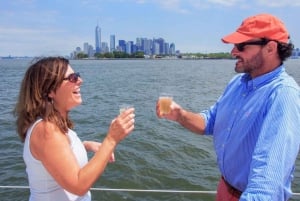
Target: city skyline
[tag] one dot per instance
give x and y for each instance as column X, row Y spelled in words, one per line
column 155, row 46
column 39, row 28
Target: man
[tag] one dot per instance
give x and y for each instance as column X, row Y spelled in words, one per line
column 255, row 123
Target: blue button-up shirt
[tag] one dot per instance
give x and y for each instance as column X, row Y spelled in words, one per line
column 256, row 129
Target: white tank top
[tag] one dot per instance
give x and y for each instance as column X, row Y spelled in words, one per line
column 42, row 185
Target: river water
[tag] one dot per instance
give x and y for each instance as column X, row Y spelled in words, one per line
column 159, row 154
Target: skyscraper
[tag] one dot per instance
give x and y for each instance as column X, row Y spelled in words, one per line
column 112, row 43
column 86, row 48
column 161, row 48
column 98, row 39
column 172, row 49
column 122, row 45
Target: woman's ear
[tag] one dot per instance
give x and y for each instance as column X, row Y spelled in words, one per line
column 51, row 94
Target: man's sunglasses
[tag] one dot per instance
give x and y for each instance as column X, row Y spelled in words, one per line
column 241, row 46
column 73, row 77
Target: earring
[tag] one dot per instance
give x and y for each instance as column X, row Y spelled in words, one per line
column 50, row 100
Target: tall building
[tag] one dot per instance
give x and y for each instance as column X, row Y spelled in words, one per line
column 112, row 43
column 156, row 48
column 167, row 48
column 172, row 49
column 147, row 45
column 98, row 39
column 86, row 48
column 161, row 48
column 139, row 44
column 122, row 45
column 104, row 47
column 129, row 47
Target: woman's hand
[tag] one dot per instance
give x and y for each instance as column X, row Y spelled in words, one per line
column 121, row 126
column 94, row 147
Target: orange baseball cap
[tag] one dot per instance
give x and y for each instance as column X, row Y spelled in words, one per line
column 259, row 26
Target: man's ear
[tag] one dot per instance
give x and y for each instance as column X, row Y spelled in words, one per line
column 272, row 47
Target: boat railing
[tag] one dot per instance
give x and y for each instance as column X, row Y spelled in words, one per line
column 294, row 195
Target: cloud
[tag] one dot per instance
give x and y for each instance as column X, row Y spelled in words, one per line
column 173, row 5
column 140, row 1
column 189, row 6
column 278, row 3
column 225, row 2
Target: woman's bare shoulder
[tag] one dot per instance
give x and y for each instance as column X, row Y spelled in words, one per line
column 45, row 136
column 47, row 130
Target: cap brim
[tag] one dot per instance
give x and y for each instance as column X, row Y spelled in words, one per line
column 236, row 38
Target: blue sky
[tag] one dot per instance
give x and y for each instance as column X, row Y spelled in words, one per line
column 57, row 27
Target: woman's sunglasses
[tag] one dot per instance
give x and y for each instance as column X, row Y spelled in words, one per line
column 241, row 46
column 73, row 77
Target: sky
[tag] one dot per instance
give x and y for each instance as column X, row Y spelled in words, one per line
column 57, row 27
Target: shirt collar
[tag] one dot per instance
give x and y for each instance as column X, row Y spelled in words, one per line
column 261, row 80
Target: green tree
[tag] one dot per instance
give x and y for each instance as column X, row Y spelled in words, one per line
column 109, row 55
column 81, row 55
column 139, row 54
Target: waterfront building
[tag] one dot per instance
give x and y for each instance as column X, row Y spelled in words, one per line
column 160, row 42
column 122, row 45
column 129, row 46
column 156, row 49
column 104, row 47
column 134, row 48
column 112, row 43
column 78, row 50
column 98, row 39
column 295, row 53
column 91, row 51
column 138, row 44
column 172, row 49
column 167, row 49
column 86, row 48
column 147, row 45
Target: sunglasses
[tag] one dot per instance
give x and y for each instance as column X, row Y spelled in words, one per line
column 73, row 77
column 241, row 46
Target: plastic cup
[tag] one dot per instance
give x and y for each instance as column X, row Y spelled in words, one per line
column 124, row 107
column 165, row 101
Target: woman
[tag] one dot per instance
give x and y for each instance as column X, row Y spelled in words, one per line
column 56, row 159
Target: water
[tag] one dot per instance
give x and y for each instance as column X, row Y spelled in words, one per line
column 159, row 154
